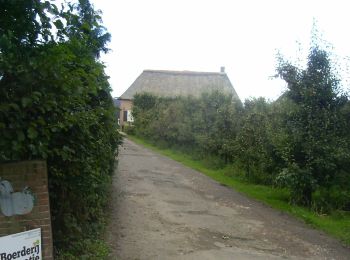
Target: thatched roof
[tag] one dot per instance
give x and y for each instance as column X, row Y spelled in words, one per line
column 180, row 83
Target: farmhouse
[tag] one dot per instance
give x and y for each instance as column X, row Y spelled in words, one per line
column 166, row 83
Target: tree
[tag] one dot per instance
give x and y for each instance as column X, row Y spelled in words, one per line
column 312, row 131
column 56, row 105
column 255, row 149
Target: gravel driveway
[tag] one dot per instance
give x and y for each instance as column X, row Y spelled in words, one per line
column 164, row 210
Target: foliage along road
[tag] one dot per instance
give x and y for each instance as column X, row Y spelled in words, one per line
column 164, row 210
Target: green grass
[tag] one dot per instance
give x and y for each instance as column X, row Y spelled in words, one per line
column 336, row 224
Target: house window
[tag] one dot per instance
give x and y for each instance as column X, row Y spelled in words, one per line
column 130, row 117
column 125, row 116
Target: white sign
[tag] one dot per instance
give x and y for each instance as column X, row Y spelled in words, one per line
column 22, row 246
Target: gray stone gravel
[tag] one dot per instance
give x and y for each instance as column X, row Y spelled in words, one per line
column 164, row 210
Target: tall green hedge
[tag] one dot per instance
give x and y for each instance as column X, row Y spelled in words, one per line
column 56, row 105
column 300, row 142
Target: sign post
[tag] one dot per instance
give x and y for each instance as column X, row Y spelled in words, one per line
column 24, row 245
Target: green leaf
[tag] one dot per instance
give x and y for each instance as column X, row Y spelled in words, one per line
column 26, row 101
column 32, row 133
column 53, row 10
column 14, row 106
column 20, row 136
column 58, row 24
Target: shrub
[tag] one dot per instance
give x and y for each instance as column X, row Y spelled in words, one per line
column 56, row 105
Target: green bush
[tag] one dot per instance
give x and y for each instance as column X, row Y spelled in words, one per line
column 299, row 142
column 129, row 129
column 299, row 181
column 56, row 105
column 326, row 200
column 86, row 249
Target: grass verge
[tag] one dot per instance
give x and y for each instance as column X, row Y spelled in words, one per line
column 336, row 224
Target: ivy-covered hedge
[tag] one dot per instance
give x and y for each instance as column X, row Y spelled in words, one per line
column 56, row 105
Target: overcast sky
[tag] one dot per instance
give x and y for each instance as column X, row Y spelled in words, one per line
column 203, row 35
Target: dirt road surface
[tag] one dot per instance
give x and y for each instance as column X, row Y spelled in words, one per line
column 164, row 210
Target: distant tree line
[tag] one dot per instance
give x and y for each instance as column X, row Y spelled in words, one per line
column 56, row 105
column 300, row 142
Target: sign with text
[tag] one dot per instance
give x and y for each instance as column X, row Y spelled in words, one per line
column 23, row 246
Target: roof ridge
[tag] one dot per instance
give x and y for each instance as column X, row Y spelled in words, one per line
column 186, row 72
